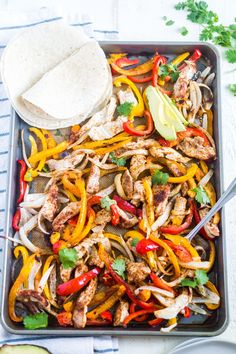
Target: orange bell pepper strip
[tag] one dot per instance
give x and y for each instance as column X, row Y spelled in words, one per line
column 68, row 185
column 137, row 314
column 182, row 241
column 138, row 70
column 76, row 235
column 158, row 282
column 191, row 171
column 42, row 155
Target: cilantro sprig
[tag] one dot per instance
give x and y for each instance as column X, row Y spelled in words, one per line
column 201, row 195
column 68, row 257
column 160, row 177
column 106, row 203
column 119, row 267
column 232, row 88
column 200, row 278
column 118, row 161
column 125, row 109
column 168, row 70
column 39, row 320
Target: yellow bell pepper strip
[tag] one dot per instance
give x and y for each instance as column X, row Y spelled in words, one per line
column 101, row 143
column 170, row 253
column 212, row 196
column 191, row 171
column 85, row 231
column 180, row 58
column 68, row 307
column 210, row 122
column 70, row 195
column 204, row 167
column 212, row 255
column 41, row 137
column 55, row 236
column 139, row 108
column 182, row 241
column 67, row 232
column 134, row 234
column 138, row 70
column 75, row 238
column 212, row 287
column 192, row 185
column 149, row 200
column 114, row 56
column 45, row 268
column 102, row 151
column 68, row 185
column 92, row 315
column 51, row 143
column 34, row 147
column 25, row 254
column 113, row 237
column 49, row 152
column 22, row 277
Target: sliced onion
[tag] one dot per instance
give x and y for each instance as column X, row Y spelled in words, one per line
column 105, row 157
column 169, row 328
column 206, row 178
column 204, row 121
column 44, row 278
column 175, row 190
column 25, row 216
column 134, row 152
column 197, row 309
column 31, row 197
column 13, row 239
column 107, row 191
column 98, row 228
column 118, row 247
column 103, row 166
column 172, row 311
column 129, row 253
column 165, row 301
column 164, row 217
column 24, row 150
column 37, row 265
column 25, row 230
column 35, row 204
column 40, row 224
column 82, row 166
column 62, row 199
column 154, row 289
column 178, row 280
column 151, row 166
column 195, row 265
column 119, row 188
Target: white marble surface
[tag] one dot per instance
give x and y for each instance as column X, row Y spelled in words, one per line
column 142, row 20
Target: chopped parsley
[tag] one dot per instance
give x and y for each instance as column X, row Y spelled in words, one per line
column 106, row 203
column 183, row 30
column 45, row 168
column 125, row 109
column 168, row 70
column 119, row 267
column 118, row 161
column 170, row 23
column 160, row 177
column 38, row 320
column 200, row 278
column 68, row 257
column 201, row 195
column 231, row 55
column 134, row 242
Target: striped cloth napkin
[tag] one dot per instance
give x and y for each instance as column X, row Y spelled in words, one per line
column 12, row 24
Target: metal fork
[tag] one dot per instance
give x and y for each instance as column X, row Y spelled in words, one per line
column 226, row 196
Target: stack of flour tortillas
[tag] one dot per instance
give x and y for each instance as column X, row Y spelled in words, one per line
column 55, row 76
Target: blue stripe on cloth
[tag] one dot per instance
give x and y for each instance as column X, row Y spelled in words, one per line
column 4, row 134
column 5, row 116
column 2, row 210
column 82, row 24
column 3, row 172
column 4, row 99
column 3, row 152
column 106, row 350
column 30, row 24
column 104, row 31
column 2, row 190
column 1, row 230
column 3, row 46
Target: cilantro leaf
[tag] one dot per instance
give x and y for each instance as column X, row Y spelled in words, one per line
column 183, row 30
column 125, row 108
column 106, row 203
column 232, row 88
column 118, row 161
column 232, row 27
column 163, row 71
column 206, row 34
column 45, row 168
column 39, row 320
column 68, row 257
column 170, row 23
column 231, row 55
column 189, row 282
column 201, row 195
column 164, row 18
column 134, row 242
column 201, row 276
column 58, row 132
column 119, row 267
column 168, row 69
column 160, row 177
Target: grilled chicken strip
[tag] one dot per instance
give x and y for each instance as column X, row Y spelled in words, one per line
column 84, row 247
column 127, row 184
column 94, row 258
column 194, row 147
column 121, row 313
column 160, row 198
column 50, row 205
column 138, row 194
column 181, row 85
column 126, row 96
column 103, row 217
column 67, row 213
column 81, row 306
column 137, row 271
column 128, row 220
column 168, row 153
column 67, row 163
column 211, row 229
column 108, row 129
column 179, row 211
column 93, row 179
column 141, row 144
column 136, row 165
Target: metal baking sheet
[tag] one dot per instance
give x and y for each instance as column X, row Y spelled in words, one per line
column 196, row 325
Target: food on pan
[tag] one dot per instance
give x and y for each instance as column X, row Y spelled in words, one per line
column 57, row 85
column 23, row 349
column 104, row 208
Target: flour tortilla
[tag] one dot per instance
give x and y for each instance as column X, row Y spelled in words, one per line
column 73, row 87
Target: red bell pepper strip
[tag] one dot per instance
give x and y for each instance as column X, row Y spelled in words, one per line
column 159, row 283
column 189, row 132
column 115, row 216
column 16, row 220
column 146, row 245
column 141, row 318
column 57, row 246
column 73, row 221
column 158, row 61
column 130, row 129
column 64, row 319
column 23, row 184
column 123, row 61
column 187, row 312
column 181, row 252
column 155, row 322
column 193, row 58
column 137, row 314
column 197, row 220
column 140, row 80
column 107, row 315
column 74, row 285
column 107, row 279
column 174, row 229
column 124, row 205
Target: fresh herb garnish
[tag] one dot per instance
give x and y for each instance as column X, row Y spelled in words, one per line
column 232, row 88
column 106, row 203
column 119, row 267
column 125, row 109
column 170, row 23
column 118, row 161
column 231, row 55
column 68, row 257
column 58, row 132
column 168, row 70
column 160, row 177
column 201, row 195
column 39, row 320
column 183, row 30
column 45, row 168
column 134, row 242
column 200, row 278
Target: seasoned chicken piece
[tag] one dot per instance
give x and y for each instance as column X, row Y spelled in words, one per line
column 127, row 184
column 93, row 178
column 138, row 194
column 137, row 272
column 121, row 313
column 99, row 118
column 168, row 153
column 184, row 189
column 80, row 269
column 126, row 96
column 107, row 130
column 94, row 258
column 141, row 144
column 67, row 163
column 136, row 165
column 181, row 85
column 174, row 169
column 103, row 217
column 128, row 220
column 194, row 147
column 179, row 211
column 85, row 246
column 50, row 205
column 28, row 296
column 211, row 229
column 65, row 273
column 81, row 306
column 67, row 213
column 160, row 198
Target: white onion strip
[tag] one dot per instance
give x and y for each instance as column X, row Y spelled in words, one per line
column 118, row 247
column 24, row 231
column 106, row 191
column 164, row 217
column 44, row 279
column 154, row 289
column 197, row 309
column 195, row 265
column 35, row 203
column 129, row 253
column 40, row 224
column 119, row 188
column 206, row 178
column 37, row 265
column 169, row 328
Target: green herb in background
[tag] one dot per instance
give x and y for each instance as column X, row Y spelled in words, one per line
column 183, row 31
column 200, row 278
column 232, row 88
column 134, row 242
column 58, row 132
column 170, row 23
column 168, row 70
column 231, row 55
column 68, row 257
